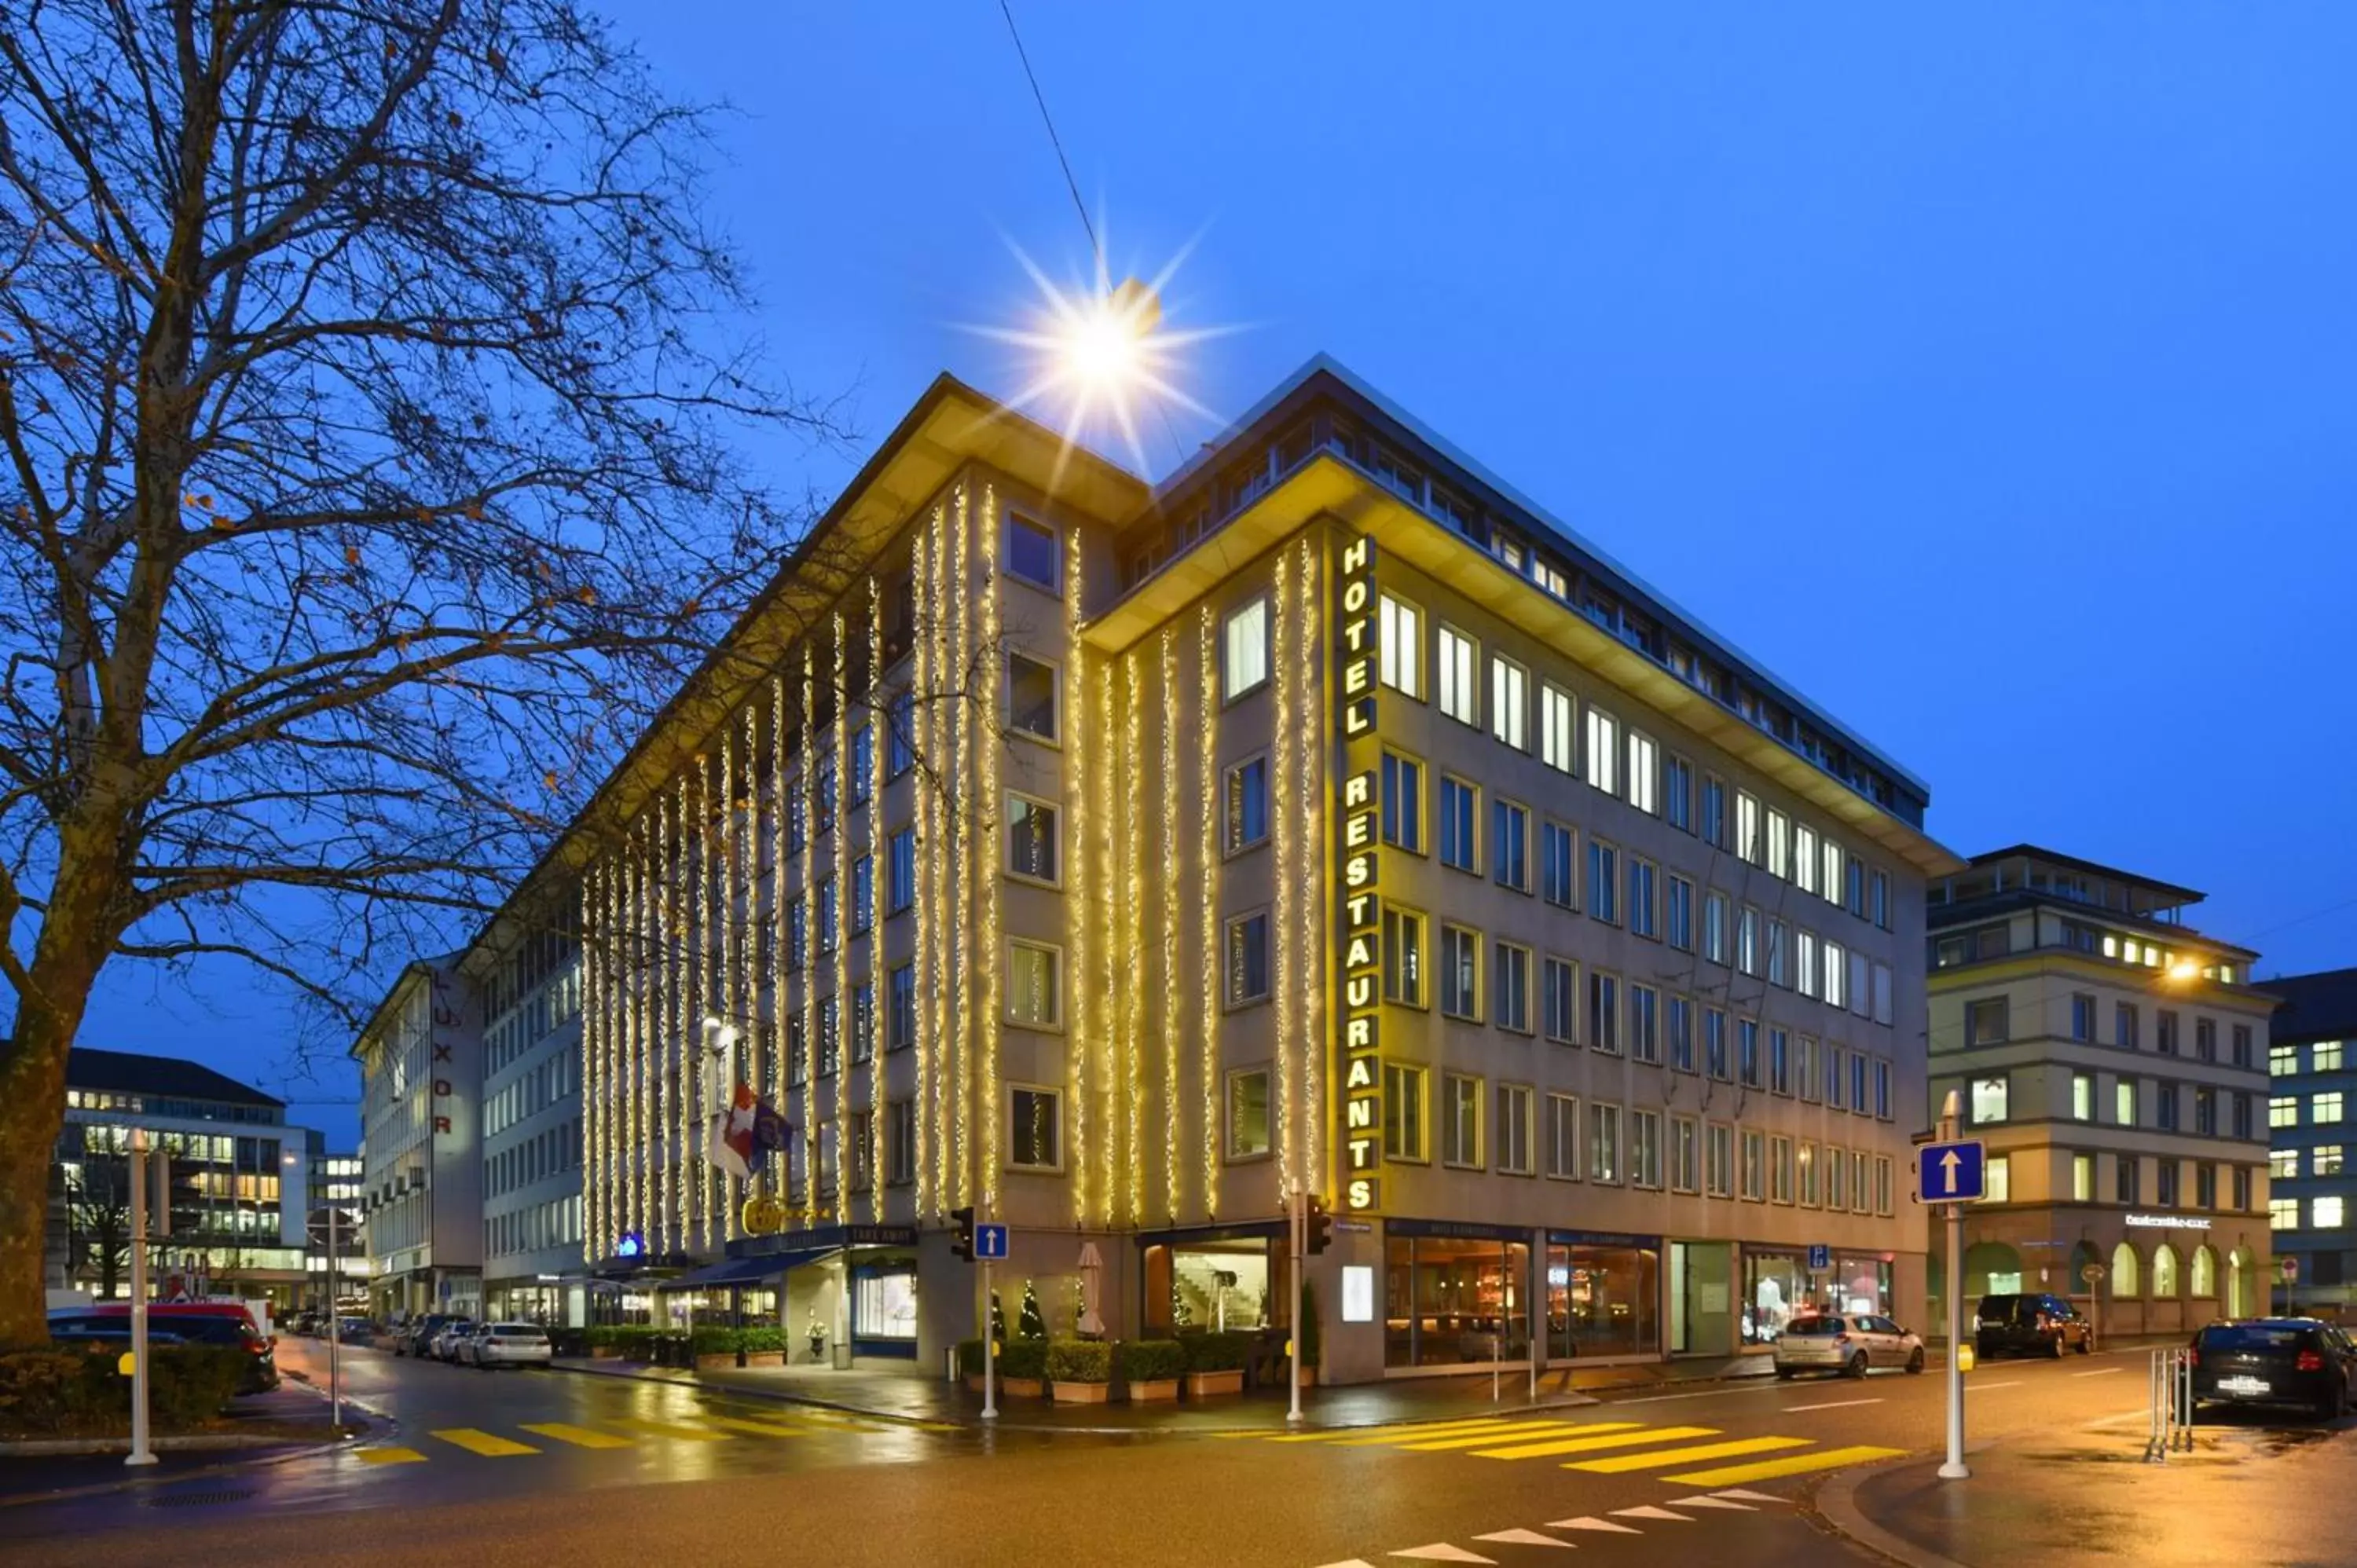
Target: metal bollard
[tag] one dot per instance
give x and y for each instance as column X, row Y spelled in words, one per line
column 2169, row 1393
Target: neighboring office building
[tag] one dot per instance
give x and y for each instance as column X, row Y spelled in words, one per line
column 337, row 1183
column 2105, row 1053
column 237, row 1220
column 2312, row 1069
column 531, row 984
column 1643, row 993
column 421, row 1139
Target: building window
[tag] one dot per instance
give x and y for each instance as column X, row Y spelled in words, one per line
column 1987, row 1021
column 2283, row 1060
column 2241, row 1190
column 1459, row 808
column 1403, row 802
column 1988, row 1100
column 1685, row 1156
column 2123, row 1103
column 1804, row 1068
column 2328, row 1212
column 1604, row 1013
column 1837, row 976
column 1511, row 987
column 1244, row 664
column 1034, row 1128
column 1747, row 940
column 2083, row 1016
column 1805, row 856
column 1996, row 1179
column 1807, row 1161
column 1460, row 1120
column 1877, row 899
column 2083, row 1096
column 2205, row 1111
column 2282, row 1163
column 1034, row 986
column 2241, row 1052
column 1603, row 750
column 1713, row 810
column 1460, row 973
column 1031, row 850
column 2283, row 1213
column 1510, row 856
column 2325, row 1159
column 1509, row 703
column 1459, row 696
column 1248, row 1113
column 900, row 1003
column 1678, row 908
column 2164, row 1032
column 1604, row 1143
column 1780, row 844
column 1402, row 1111
column 1779, row 967
column 1682, row 1035
column 1836, row 1075
column 901, row 1142
column 1806, row 963
column 1644, row 910
column 1644, row 774
column 2325, row 1056
column 863, row 765
column 2164, row 1190
column 1562, row 1002
column 2283, row 1110
column 1603, row 880
column 2205, row 1188
column 901, row 871
column 1247, row 950
column 1557, row 737
column 1246, row 802
column 900, row 747
column 1031, row 697
column 1714, row 926
column 1402, row 629
column 1644, row 1024
column 1677, row 792
column 1403, row 956
column 862, row 1021
column 1558, row 869
column 2205, row 1039
column 1714, row 1044
column 2083, row 1178
column 1563, row 1137
column 1747, row 1052
column 2124, row 1025
column 1779, row 1169
column 2324, row 1109
column 1032, row 553
column 1513, row 1133
column 1748, row 845
column 1645, row 1148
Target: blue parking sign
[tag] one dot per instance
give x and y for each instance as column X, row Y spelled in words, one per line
column 1950, row 1173
column 1820, row 1258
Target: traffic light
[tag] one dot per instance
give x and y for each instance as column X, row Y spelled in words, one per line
column 1320, row 1226
column 963, row 1242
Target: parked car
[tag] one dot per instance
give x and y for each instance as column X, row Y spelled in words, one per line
column 462, row 1346
column 305, row 1323
column 2292, row 1362
column 1848, row 1344
column 417, row 1336
column 196, row 1323
column 2032, row 1324
column 509, row 1344
column 357, row 1331
column 445, row 1344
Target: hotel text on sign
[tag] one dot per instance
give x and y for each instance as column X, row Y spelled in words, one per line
column 1360, row 947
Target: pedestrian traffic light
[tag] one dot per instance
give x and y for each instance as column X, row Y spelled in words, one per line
column 963, row 1242
column 1320, row 1226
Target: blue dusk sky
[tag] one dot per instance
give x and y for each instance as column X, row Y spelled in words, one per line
column 1988, row 374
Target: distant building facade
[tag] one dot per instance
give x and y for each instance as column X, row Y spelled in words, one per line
column 421, row 1139
column 2312, row 1082
column 2107, row 1055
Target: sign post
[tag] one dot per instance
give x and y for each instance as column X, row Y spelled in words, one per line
column 1949, row 1172
column 989, row 1245
column 1297, row 1229
column 140, row 1453
column 2094, row 1275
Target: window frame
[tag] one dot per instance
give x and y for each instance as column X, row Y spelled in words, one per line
column 1230, row 693
column 1056, row 954
column 1014, row 516
column 1055, row 1093
column 1055, row 812
column 1230, row 1154
column 1055, row 697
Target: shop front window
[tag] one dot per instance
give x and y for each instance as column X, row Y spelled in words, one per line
column 1775, row 1288
column 1221, row 1286
column 1862, row 1284
column 1602, row 1300
column 1450, row 1301
column 884, row 1302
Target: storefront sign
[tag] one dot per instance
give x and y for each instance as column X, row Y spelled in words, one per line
column 1360, row 947
column 1463, row 1230
column 1603, row 1239
column 2169, row 1221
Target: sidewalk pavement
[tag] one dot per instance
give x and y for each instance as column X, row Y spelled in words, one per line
column 2246, row 1494
column 897, row 1391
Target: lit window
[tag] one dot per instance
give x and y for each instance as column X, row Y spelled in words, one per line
column 1459, row 695
column 1031, row 838
column 1248, row 1114
column 2282, row 1163
column 1245, row 664
column 2083, row 1178
column 2328, row 1212
column 1555, row 732
column 1805, row 963
column 1805, row 856
column 1403, row 956
column 1033, row 986
column 2283, row 1060
column 2083, row 1096
column 1402, row 1111
column 1780, row 843
column 1988, row 1100
column 1644, row 774
column 1036, row 1124
column 1247, row 949
column 1837, row 976
column 1996, row 1179
column 2324, row 1109
column 2325, row 1056
column 1509, row 703
column 2283, row 1213
column 1603, row 750
column 1030, row 697
column 1748, row 845
column 1402, row 646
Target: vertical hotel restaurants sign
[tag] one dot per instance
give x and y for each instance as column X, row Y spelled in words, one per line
column 1359, row 950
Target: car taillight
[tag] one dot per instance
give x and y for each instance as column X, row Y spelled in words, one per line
column 2310, row 1361
column 1841, row 1338
column 2044, row 1321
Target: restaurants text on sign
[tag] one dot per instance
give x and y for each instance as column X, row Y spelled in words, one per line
column 1360, row 948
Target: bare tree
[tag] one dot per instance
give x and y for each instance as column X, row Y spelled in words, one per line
column 368, row 403
column 98, row 1225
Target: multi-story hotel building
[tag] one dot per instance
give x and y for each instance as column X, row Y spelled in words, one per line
column 1114, row 858
column 2313, row 1095
column 2105, row 1053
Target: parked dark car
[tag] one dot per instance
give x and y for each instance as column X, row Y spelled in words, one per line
column 418, row 1338
column 194, row 1323
column 2292, row 1361
column 2035, row 1323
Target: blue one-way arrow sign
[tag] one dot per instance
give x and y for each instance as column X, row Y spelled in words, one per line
column 1950, row 1173
column 990, row 1244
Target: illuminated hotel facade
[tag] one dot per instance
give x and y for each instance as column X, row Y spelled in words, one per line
column 1113, row 858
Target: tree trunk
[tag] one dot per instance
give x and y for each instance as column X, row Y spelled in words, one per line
column 32, row 1108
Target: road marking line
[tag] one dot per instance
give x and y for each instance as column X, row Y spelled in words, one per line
column 1363, row 1438
column 668, row 1429
column 478, row 1442
column 1716, row 1503
column 1648, row 1511
column 1750, row 1497
column 1991, row 1388
column 1770, row 1469
column 2100, row 1372
column 579, row 1436
column 1534, row 1429
column 388, row 1456
column 757, row 1428
column 1584, row 1445
column 1346, row 1563
column 1589, row 1521
column 1441, row 1551
column 1523, row 1537
column 1621, row 1464
column 1770, row 1386
column 1838, row 1404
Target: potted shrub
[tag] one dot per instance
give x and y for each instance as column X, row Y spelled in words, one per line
column 1079, row 1371
column 1152, row 1367
column 1215, row 1364
column 1023, row 1369
column 763, row 1347
column 712, row 1347
column 969, row 1352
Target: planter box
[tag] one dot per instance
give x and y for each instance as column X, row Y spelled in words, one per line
column 765, row 1357
column 1203, row 1385
column 1153, row 1389
column 974, row 1382
column 1024, row 1387
column 1308, row 1377
column 1067, row 1392
column 605, row 1352
column 713, row 1363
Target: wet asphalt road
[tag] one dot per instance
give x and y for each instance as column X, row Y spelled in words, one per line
column 532, row 1468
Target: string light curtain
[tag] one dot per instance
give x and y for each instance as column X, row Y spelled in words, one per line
column 1079, row 1024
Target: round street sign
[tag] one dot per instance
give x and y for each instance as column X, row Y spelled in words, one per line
column 2091, row 1273
column 2290, row 1267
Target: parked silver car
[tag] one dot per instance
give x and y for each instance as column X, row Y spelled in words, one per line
column 508, row 1344
column 1847, row 1344
column 445, row 1344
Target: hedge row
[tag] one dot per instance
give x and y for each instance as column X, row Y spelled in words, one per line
column 1092, row 1361
column 52, row 1392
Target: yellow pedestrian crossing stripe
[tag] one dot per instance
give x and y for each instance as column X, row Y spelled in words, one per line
column 1395, row 1433
column 1622, row 1463
column 389, row 1454
column 482, row 1442
column 757, row 1428
column 1535, row 1428
column 1622, row 1439
column 670, row 1429
column 1798, row 1465
column 579, row 1436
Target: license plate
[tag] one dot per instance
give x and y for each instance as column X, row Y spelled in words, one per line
column 2243, row 1385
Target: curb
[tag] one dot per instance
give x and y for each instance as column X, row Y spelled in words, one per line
column 1836, row 1503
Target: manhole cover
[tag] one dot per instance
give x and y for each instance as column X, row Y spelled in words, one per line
column 196, row 1499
